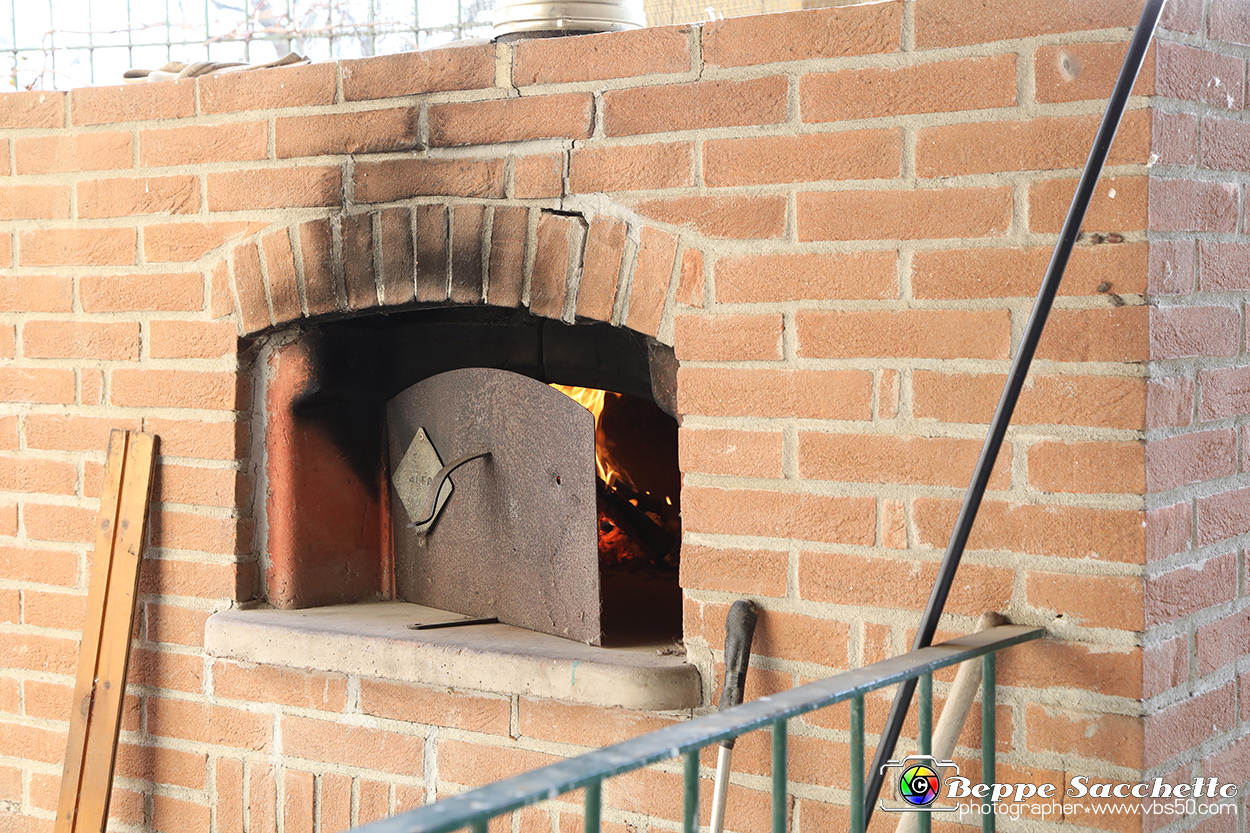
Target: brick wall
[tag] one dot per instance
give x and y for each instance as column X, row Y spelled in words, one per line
column 837, row 218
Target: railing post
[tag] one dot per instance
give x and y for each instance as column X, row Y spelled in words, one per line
column 857, row 764
column 690, row 815
column 779, row 777
column 594, row 796
column 988, row 740
column 924, row 707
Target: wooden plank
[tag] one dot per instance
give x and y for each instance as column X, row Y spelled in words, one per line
column 99, row 692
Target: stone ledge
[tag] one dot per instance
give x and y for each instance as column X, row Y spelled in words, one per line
column 373, row 640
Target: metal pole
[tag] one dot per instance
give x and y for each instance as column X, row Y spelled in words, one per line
column 1015, row 380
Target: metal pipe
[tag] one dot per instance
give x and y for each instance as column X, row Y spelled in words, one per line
column 1015, row 380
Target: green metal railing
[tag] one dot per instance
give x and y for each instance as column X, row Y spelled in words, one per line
column 475, row 808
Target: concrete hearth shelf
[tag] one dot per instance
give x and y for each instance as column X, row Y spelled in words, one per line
column 373, row 640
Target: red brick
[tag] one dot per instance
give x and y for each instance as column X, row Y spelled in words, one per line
column 186, row 242
column 758, row 572
column 438, row 707
column 361, row 131
column 161, row 669
column 811, row 394
column 1092, row 601
column 204, row 486
column 366, row 748
column 393, row 179
column 204, row 723
column 853, row 154
column 1224, row 266
column 1182, row 332
column 39, row 566
column 934, row 87
column 358, row 279
column 1171, row 268
column 230, row 142
column 280, row 273
column 1165, row 666
column 823, row 33
column 1096, row 335
column 728, row 337
column 1113, row 671
column 374, row 802
column 161, row 765
column 1168, row 531
column 444, row 69
column 6, row 249
column 176, row 389
column 1189, row 723
column 867, row 581
column 795, row 515
column 472, row 764
column 732, row 453
column 507, row 255
column 1223, row 515
column 268, row 89
column 537, row 177
column 904, row 215
column 1101, row 401
column 37, row 744
column 177, row 292
column 960, row 22
column 335, row 803
column 262, row 797
column 228, row 795
column 651, row 51
column 309, row 186
column 8, row 341
column 1192, row 205
column 721, row 216
column 1038, row 144
column 1220, row 643
column 799, row 638
column 1175, row 138
column 35, row 476
column 939, row 334
column 398, row 257
column 34, row 202
column 204, row 533
column 1105, row 737
column 139, row 195
column 702, row 104
column 1225, row 145
column 433, row 229
column 199, row 438
column 289, row 687
column 175, row 625
column 36, row 293
column 1088, row 467
column 1190, row 588
column 131, row 102
column 569, row 116
column 554, row 243
column 653, row 274
column 1118, row 205
column 80, row 340
column 797, row 277
column 39, row 108
column 73, row 152
column 175, row 814
column 858, row 458
column 45, row 385
column 601, row 268
column 39, row 653
column 1111, row 535
column 1185, row 459
column 467, row 228
column 690, row 278
column 1194, row 74
column 631, row 167
column 1229, row 21
column 70, row 247
column 1083, row 71
column 317, row 248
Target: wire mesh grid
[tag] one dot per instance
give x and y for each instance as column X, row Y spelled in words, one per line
column 60, row 44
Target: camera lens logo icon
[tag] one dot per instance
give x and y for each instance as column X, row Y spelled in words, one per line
column 919, row 785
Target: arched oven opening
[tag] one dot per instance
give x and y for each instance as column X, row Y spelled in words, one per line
column 512, row 537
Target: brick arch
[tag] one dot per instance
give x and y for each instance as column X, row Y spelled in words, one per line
column 614, row 268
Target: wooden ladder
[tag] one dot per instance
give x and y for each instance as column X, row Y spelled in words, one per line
column 121, row 533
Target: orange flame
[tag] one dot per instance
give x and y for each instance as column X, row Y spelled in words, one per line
column 592, row 400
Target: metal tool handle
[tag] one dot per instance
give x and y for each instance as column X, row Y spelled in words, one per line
column 431, row 500
column 739, row 632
